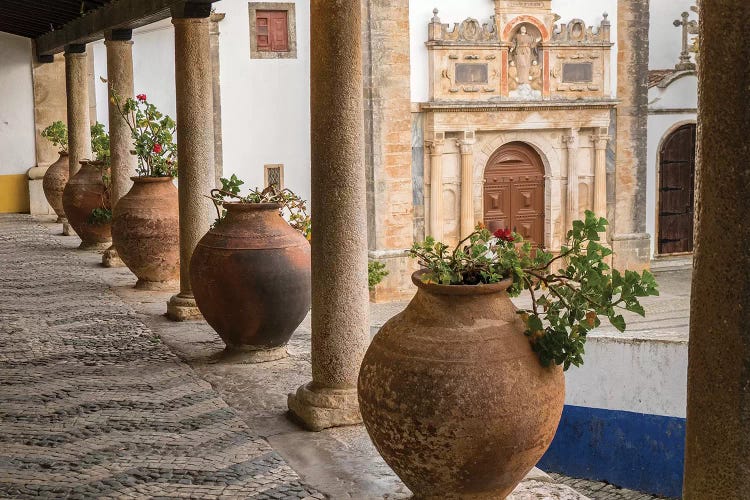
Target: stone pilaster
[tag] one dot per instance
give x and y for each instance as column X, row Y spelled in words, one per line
column 466, row 147
column 388, row 121
column 571, row 199
column 214, row 33
column 340, row 301
column 123, row 164
column 630, row 241
column 600, row 174
column 718, row 392
column 435, row 228
column 195, row 145
column 79, row 126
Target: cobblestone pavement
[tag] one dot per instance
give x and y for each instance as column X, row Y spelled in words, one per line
column 601, row 491
column 92, row 404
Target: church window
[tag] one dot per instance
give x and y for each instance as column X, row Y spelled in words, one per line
column 274, row 176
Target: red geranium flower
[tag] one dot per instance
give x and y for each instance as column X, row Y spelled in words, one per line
column 157, row 148
column 504, row 234
column 141, row 97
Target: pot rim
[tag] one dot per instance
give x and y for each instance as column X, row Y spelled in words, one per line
column 151, row 178
column 481, row 289
column 239, row 206
column 96, row 163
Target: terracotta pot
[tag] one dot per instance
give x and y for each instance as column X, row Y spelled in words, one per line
column 54, row 184
column 84, row 193
column 453, row 396
column 251, row 280
column 146, row 232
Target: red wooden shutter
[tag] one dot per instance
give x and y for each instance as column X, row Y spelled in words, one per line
column 262, row 21
column 273, row 33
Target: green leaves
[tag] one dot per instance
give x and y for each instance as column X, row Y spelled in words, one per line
column 567, row 303
column 375, row 273
column 100, row 143
column 57, row 134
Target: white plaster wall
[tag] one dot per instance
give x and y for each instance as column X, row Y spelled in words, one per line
column 451, row 11
column 682, row 94
column 265, row 102
column 642, row 376
column 17, row 145
column 665, row 40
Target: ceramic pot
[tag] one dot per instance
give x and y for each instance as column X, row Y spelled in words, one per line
column 85, row 192
column 453, row 396
column 54, row 184
column 251, row 279
column 146, row 232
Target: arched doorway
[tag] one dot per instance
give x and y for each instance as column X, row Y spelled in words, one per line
column 676, row 196
column 514, row 191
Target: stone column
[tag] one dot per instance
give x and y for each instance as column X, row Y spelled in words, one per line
column 195, row 144
column 718, row 392
column 79, row 127
column 436, row 189
column 630, row 242
column 467, row 187
column 340, row 305
column 120, row 77
column 571, row 199
column 600, row 174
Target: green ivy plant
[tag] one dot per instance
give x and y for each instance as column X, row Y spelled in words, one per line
column 57, row 134
column 570, row 292
column 375, row 273
column 293, row 208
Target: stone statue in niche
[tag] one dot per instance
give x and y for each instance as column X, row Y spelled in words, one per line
column 525, row 64
column 524, row 51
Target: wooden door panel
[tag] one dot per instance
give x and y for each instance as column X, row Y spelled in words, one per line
column 676, row 192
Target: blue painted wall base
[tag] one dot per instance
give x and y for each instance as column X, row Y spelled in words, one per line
column 631, row 450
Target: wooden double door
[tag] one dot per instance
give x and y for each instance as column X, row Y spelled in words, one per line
column 514, row 192
column 676, row 191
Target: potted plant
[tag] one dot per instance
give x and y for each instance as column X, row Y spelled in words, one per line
column 145, row 222
column 462, row 393
column 86, row 196
column 58, row 173
column 250, row 274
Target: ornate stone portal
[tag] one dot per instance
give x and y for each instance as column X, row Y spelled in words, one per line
column 519, row 80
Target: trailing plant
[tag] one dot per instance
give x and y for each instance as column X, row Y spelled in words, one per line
column 100, row 143
column 570, row 292
column 153, row 135
column 57, row 134
column 375, row 273
column 100, row 216
column 293, row 208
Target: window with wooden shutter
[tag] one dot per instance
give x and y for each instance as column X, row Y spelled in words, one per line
column 272, row 30
column 273, row 33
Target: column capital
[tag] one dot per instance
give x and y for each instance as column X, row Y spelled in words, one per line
column 600, row 141
column 435, row 146
column 189, row 9
column 119, row 35
column 570, row 138
column 75, row 49
column 466, row 146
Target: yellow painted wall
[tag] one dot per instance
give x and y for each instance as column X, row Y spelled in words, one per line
column 14, row 193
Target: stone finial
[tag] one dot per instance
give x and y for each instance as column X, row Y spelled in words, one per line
column 435, row 18
column 606, row 19
column 687, row 27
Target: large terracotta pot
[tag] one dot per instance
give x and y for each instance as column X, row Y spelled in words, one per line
column 146, row 232
column 54, row 184
column 84, row 193
column 251, row 280
column 453, row 396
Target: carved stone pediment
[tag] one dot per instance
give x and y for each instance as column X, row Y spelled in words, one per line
column 469, row 31
column 577, row 32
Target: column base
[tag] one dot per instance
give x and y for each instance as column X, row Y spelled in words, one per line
column 67, row 229
column 93, row 245
column 60, row 220
column 159, row 286
column 317, row 409
column 244, row 356
column 111, row 259
column 631, row 251
column 182, row 307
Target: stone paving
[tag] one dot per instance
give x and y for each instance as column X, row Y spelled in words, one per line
column 92, row 404
column 87, row 369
